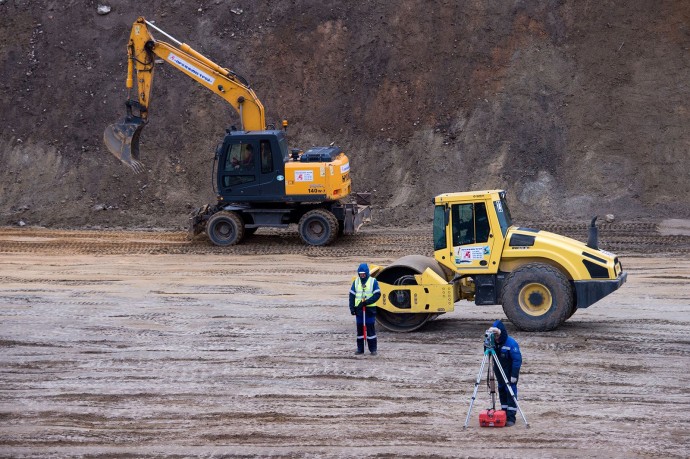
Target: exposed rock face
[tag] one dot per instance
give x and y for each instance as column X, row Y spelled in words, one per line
column 576, row 108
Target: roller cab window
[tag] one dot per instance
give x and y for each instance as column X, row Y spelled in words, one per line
column 470, row 232
column 470, row 223
column 440, row 222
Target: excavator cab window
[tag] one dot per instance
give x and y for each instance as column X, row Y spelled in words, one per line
column 282, row 144
column 266, row 157
column 239, row 163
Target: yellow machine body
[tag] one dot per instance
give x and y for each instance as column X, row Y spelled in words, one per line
column 539, row 277
column 433, row 294
column 331, row 179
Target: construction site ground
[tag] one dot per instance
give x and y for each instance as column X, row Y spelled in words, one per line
column 143, row 344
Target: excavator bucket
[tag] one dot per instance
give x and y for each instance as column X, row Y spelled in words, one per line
column 122, row 140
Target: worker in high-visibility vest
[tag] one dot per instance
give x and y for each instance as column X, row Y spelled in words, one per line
column 364, row 293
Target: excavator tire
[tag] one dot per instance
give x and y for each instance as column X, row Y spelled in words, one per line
column 318, row 227
column 402, row 272
column 537, row 297
column 225, row 228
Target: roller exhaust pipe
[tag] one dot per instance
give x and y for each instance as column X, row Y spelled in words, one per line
column 593, row 236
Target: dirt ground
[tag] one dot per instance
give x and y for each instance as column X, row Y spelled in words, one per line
column 140, row 344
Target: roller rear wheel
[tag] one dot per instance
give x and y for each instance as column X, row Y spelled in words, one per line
column 537, row 297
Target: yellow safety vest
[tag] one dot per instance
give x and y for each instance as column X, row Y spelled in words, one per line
column 364, row 292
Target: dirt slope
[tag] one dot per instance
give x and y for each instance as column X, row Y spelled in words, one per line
column 576, row 107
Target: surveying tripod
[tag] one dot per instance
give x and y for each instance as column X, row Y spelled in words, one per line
column 491, row 357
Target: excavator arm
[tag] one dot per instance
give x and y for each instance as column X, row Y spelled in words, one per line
column 122, row 138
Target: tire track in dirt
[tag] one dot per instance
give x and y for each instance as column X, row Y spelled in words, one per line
column 379, row 242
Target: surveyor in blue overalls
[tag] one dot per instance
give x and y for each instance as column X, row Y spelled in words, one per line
column 365, row 293
column 510, row 358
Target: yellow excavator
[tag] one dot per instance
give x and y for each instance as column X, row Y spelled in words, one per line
column 540, row 278
column 259, row 182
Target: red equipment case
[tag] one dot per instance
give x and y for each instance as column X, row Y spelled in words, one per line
column 492, row 418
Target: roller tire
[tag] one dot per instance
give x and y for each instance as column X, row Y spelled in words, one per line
column 537, row 297
column 318, row 227
column 572, row 311
column 402, row 322
column 225, row 228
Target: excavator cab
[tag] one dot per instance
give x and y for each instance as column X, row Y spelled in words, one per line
column 122, row 138
column 251, row 166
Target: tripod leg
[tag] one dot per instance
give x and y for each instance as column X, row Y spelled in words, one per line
column 476, row 386
column 491, row 379
column 510, row 389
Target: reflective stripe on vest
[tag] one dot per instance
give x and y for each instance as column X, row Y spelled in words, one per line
column 364, row 292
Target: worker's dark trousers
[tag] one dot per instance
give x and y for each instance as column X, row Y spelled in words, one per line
column 371, row 332
column 507, row 402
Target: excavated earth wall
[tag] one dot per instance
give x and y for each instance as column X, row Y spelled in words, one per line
column 576, row 107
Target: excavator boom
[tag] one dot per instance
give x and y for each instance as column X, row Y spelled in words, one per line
column 122, row 137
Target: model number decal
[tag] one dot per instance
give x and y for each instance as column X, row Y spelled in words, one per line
column 345, row 168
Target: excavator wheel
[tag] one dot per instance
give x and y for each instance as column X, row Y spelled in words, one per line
column 402, row 272
column 318, row 227
column 537, row 297
column 225, row 228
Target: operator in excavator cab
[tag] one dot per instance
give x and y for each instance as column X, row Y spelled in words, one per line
column 247, row 159
column 364, row 294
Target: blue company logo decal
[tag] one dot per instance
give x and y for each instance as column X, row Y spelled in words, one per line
column 184, row 65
